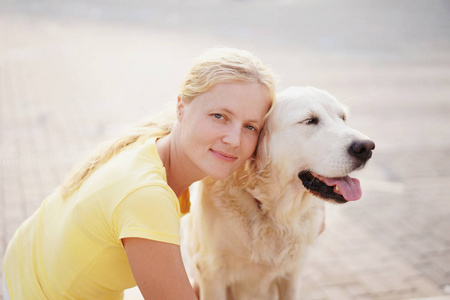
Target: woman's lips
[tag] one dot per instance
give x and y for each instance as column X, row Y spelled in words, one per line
column 223, row 155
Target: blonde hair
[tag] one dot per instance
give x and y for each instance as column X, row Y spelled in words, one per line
column 218, row 65
column 221, row 65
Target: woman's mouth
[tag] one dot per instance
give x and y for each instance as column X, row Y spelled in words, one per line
column 223, row 155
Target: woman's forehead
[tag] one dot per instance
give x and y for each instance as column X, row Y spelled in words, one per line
column 236, row 98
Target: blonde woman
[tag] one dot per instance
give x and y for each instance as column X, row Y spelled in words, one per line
column 115, row 222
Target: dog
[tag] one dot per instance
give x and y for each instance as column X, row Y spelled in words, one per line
column 248, row 235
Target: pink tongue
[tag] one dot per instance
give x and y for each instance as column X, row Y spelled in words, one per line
column 349, row 187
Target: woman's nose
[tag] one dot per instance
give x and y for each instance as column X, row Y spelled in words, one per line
column 233, row 136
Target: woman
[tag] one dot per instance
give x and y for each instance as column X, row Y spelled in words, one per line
column 115, row 222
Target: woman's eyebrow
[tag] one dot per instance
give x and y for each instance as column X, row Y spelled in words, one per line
column 230, row 113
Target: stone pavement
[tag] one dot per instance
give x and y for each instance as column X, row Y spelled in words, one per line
column 74, row 73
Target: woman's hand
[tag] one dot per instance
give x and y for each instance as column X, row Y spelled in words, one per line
column 158, row 269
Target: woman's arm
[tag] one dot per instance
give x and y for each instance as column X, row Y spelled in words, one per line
column 158, row 269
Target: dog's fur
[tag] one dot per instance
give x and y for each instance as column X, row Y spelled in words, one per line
column 248, row 235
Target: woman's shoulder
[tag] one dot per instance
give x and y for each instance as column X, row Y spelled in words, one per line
column 138, row 159
column 125, row 172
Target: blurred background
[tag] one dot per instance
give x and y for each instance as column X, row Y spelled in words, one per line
column 76, row 73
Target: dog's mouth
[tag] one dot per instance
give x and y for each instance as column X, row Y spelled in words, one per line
column 339, row 190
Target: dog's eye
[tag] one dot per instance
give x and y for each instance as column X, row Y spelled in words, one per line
column 311, row 121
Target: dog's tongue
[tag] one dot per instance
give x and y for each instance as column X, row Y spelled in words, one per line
column 348, row 187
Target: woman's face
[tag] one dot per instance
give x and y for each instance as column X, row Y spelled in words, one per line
column 220, row 128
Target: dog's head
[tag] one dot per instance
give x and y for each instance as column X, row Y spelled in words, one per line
column 306, row 139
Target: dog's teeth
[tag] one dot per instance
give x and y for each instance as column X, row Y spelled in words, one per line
column 336, row 188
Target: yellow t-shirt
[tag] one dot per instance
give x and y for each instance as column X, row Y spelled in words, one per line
column 71, row 248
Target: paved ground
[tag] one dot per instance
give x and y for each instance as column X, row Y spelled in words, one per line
column 73, row 73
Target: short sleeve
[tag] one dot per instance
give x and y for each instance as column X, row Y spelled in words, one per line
column 150, row 212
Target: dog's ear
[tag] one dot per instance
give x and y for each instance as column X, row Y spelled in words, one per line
column 257, row 167
column 261, row 161
column 261, row 155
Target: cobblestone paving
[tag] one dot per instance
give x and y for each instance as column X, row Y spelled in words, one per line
column 75, row 73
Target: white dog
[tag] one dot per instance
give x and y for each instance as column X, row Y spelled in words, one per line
column 247, row 235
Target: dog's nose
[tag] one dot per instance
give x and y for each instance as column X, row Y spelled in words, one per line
column 362, row 150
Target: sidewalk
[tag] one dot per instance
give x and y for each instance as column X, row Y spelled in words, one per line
column 75, row 73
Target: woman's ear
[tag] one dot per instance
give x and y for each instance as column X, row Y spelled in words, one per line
column 180, row 108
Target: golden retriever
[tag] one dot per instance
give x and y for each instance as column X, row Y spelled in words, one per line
column 248, row 235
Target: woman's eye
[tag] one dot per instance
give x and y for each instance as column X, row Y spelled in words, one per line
column 218, row 116
column 250, row 127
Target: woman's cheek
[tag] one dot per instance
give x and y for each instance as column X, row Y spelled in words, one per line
column 250, row 145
